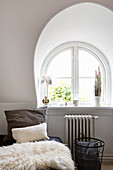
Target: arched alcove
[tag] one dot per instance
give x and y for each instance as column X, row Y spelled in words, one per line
column 86, row 22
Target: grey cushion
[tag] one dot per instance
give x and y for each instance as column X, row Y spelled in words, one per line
column 23, row 118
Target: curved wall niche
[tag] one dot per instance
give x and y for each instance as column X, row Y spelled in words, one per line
column 86, row 22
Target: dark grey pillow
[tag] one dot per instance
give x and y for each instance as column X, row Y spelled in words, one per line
column 23, row 118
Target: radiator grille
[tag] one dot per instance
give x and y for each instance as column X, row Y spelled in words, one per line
column 78, row 126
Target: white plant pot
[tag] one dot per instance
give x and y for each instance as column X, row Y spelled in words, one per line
column 97, row 100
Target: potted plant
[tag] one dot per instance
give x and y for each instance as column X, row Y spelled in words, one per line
column 98, row 87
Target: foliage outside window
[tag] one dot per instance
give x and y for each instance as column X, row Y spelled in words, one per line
column 60, row 92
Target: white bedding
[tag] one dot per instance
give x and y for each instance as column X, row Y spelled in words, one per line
column 36, row 155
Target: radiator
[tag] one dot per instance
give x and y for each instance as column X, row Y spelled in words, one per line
column 78, row 126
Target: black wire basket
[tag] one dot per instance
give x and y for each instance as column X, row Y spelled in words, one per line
column 88, row 153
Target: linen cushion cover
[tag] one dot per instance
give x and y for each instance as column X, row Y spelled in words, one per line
column 31, row 133
column 22, row 118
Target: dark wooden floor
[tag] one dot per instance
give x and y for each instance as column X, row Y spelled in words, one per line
column 106, row 166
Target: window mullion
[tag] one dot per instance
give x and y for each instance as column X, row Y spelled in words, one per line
column 76, row 73
column 72, row 79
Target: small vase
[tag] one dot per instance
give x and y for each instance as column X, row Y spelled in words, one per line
column 97, row 100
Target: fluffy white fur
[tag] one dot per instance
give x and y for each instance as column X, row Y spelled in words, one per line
column 36, row 155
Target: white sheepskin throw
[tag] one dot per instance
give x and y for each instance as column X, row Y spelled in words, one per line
column 36, row 155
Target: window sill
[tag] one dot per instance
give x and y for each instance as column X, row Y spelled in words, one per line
column 106, row 110
column 79, row 106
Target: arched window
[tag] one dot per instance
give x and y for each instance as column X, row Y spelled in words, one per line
column 72, row 68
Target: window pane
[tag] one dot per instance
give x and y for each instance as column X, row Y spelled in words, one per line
column 86, row 89
column 87, row 64
column 60, row 90
column 60, row 66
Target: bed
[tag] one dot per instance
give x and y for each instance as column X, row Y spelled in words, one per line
column 27, row 145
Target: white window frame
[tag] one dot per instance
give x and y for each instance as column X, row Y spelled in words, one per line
column 75, row 46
